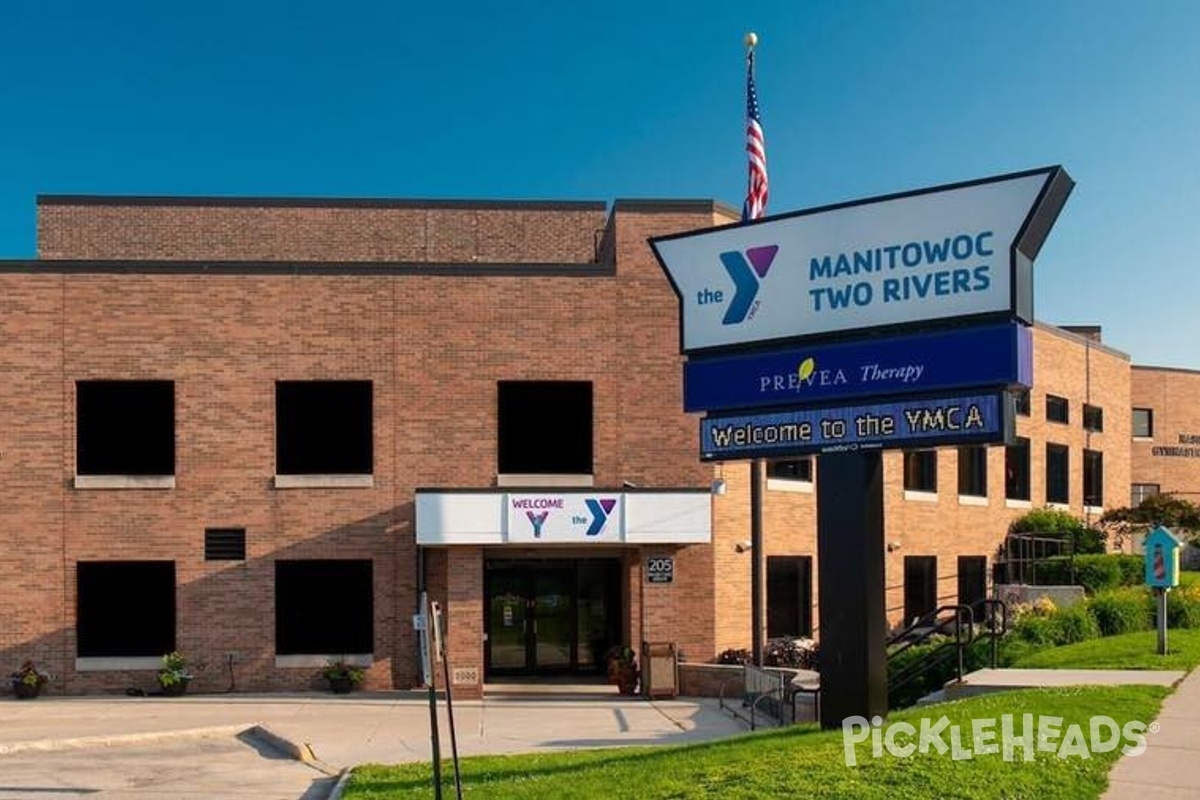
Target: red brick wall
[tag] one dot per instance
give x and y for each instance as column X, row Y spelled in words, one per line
column 70, row 228
column 1171, row 394
column 433, row 347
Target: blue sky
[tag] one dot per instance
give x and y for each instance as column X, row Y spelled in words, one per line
column 568, row 101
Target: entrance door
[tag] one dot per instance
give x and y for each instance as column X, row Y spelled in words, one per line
column 550, row 616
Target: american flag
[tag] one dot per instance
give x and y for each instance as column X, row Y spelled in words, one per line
column 756, row 149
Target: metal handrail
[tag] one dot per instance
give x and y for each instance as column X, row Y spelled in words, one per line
column 963, row 627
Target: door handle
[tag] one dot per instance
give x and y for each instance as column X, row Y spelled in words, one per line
column 535, row 627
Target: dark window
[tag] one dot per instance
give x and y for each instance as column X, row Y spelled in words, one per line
column 1141, row 491
column 125, row 427
column 1057, row 409
column 224, row 544
column 1143, row 423
column 972, row 582
column 920, row 586
column 1016, row 470
column 800, row 469
column 1093, row 418
column 789, row 596
column 1093, row 478
column 544, row 427
column 1021, row 402
column 324, row 607
column 323, row 428
column 125, row 608
column 920, row 470
column 1058, row 473
column 972, row 470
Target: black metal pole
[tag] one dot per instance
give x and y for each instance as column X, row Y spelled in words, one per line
column 441, row 650
column 427, row 669
column 853, row 655
column 757, row 561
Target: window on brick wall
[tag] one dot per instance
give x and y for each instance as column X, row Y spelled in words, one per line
column 789, row 596
column 324, row 607
column 1058, row 473
column 793, row 469
column 1058, row 409
column 1093, row 418
column 1093, row 478
column 323, row 428
column 920, row 586
column 125, row 428
column 544, row 427
column 124, row 608
column 972, row 471
column 1143, row 423
column 1021, row 402
column 920, row 470
column 1141, row 491
column 1016, row 470
column 972, row 583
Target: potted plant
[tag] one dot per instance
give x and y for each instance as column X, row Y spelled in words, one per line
column 27, row 682
column 174, row 676
column 342, row 677
column 622, row 668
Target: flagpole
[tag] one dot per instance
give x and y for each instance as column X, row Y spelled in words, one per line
column 758, row 556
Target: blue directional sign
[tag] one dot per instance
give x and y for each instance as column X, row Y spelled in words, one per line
column 957, row 419
column 992, row 356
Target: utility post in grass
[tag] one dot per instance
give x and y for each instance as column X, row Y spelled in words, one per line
column 1162, row 574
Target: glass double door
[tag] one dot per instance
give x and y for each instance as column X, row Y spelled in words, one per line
column 550, row 616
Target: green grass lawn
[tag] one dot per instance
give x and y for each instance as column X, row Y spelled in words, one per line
column 1127, row 651
column 798, row 762
column 1188, row 578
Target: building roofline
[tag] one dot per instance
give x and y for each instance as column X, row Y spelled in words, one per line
column 674, row 206
column 1184, row 370
column 1081, row 339
column 316, row 202
column 307, row 268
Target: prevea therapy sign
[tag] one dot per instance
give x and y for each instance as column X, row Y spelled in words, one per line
column 964, row 250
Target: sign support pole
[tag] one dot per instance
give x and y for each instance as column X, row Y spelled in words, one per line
column 1162, row 620
column 853, row 656
column 758, row 558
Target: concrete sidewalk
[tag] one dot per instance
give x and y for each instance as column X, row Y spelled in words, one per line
column 342, row 731
column 1168, row 767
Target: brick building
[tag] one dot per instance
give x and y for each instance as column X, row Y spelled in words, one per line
column 1166, row 433
column 253, row 429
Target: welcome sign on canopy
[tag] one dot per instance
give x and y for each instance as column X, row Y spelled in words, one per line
column 963, row 250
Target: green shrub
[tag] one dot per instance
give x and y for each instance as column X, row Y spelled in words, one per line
column 1095, row 573
column 1183, row 608
column 1133, row 569
column 1056, row 523
column 1075, row 624
column 1037, row 631
column 1120, row 611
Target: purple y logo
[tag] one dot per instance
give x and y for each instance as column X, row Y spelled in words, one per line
column 600, row 511
column 537, row 520
column 746, row 271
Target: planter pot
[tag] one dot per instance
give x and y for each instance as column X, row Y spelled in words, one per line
column 25, row 691
column 177, row 689
column 340, row 685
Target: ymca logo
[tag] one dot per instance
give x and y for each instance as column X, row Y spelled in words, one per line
column 747, row 272
column 600, row 510
column 537, row 520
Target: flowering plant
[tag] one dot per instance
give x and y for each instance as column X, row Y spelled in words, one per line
column 174, row 670
column 29, row 675
column 341, row 671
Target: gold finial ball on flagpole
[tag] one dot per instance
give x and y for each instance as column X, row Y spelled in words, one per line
column 751, row 40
